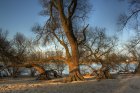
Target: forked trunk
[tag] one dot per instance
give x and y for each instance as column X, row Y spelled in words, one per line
column 68, row 29
column 74, row 63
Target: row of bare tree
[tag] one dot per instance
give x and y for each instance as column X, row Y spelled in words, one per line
column 97, row 48
column 74, row 42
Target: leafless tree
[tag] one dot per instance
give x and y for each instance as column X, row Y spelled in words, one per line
column 131, row 19
column 60, row 25
column 97, row 48
column 20, row 44
column 132, row 48
column 7, row 53
column 131, row 16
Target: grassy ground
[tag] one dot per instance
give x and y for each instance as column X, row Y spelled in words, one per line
column 123, row 84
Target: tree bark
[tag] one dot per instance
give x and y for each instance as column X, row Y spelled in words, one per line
column 68, row 29
column 74, row 73
column 105, row 72
column 15, row 72
column 42, row 72
column 137, row 70
column 74, row 64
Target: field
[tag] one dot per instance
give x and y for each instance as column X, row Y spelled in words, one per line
column 123, row 84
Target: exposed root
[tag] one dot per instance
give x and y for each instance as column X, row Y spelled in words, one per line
column 75, row 76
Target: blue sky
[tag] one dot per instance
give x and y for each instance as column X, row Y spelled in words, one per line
column 21, row 15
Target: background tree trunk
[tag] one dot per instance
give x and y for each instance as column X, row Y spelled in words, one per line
column 42, row 72
column 137, row 71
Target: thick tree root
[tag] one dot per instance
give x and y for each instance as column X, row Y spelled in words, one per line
column 104, row 75
column 75, row 76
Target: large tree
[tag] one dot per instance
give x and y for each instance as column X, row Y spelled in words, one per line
column 64, row 16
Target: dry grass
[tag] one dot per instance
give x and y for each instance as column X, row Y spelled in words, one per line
column 28, row 85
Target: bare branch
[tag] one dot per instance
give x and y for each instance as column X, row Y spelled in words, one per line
column 84, row 34
column 72, row 8
column 129, row 17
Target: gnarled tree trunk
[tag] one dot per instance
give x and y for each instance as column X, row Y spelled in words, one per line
column 68, row 29
column 42, row 72
column 104, row 71
column 74, row 73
